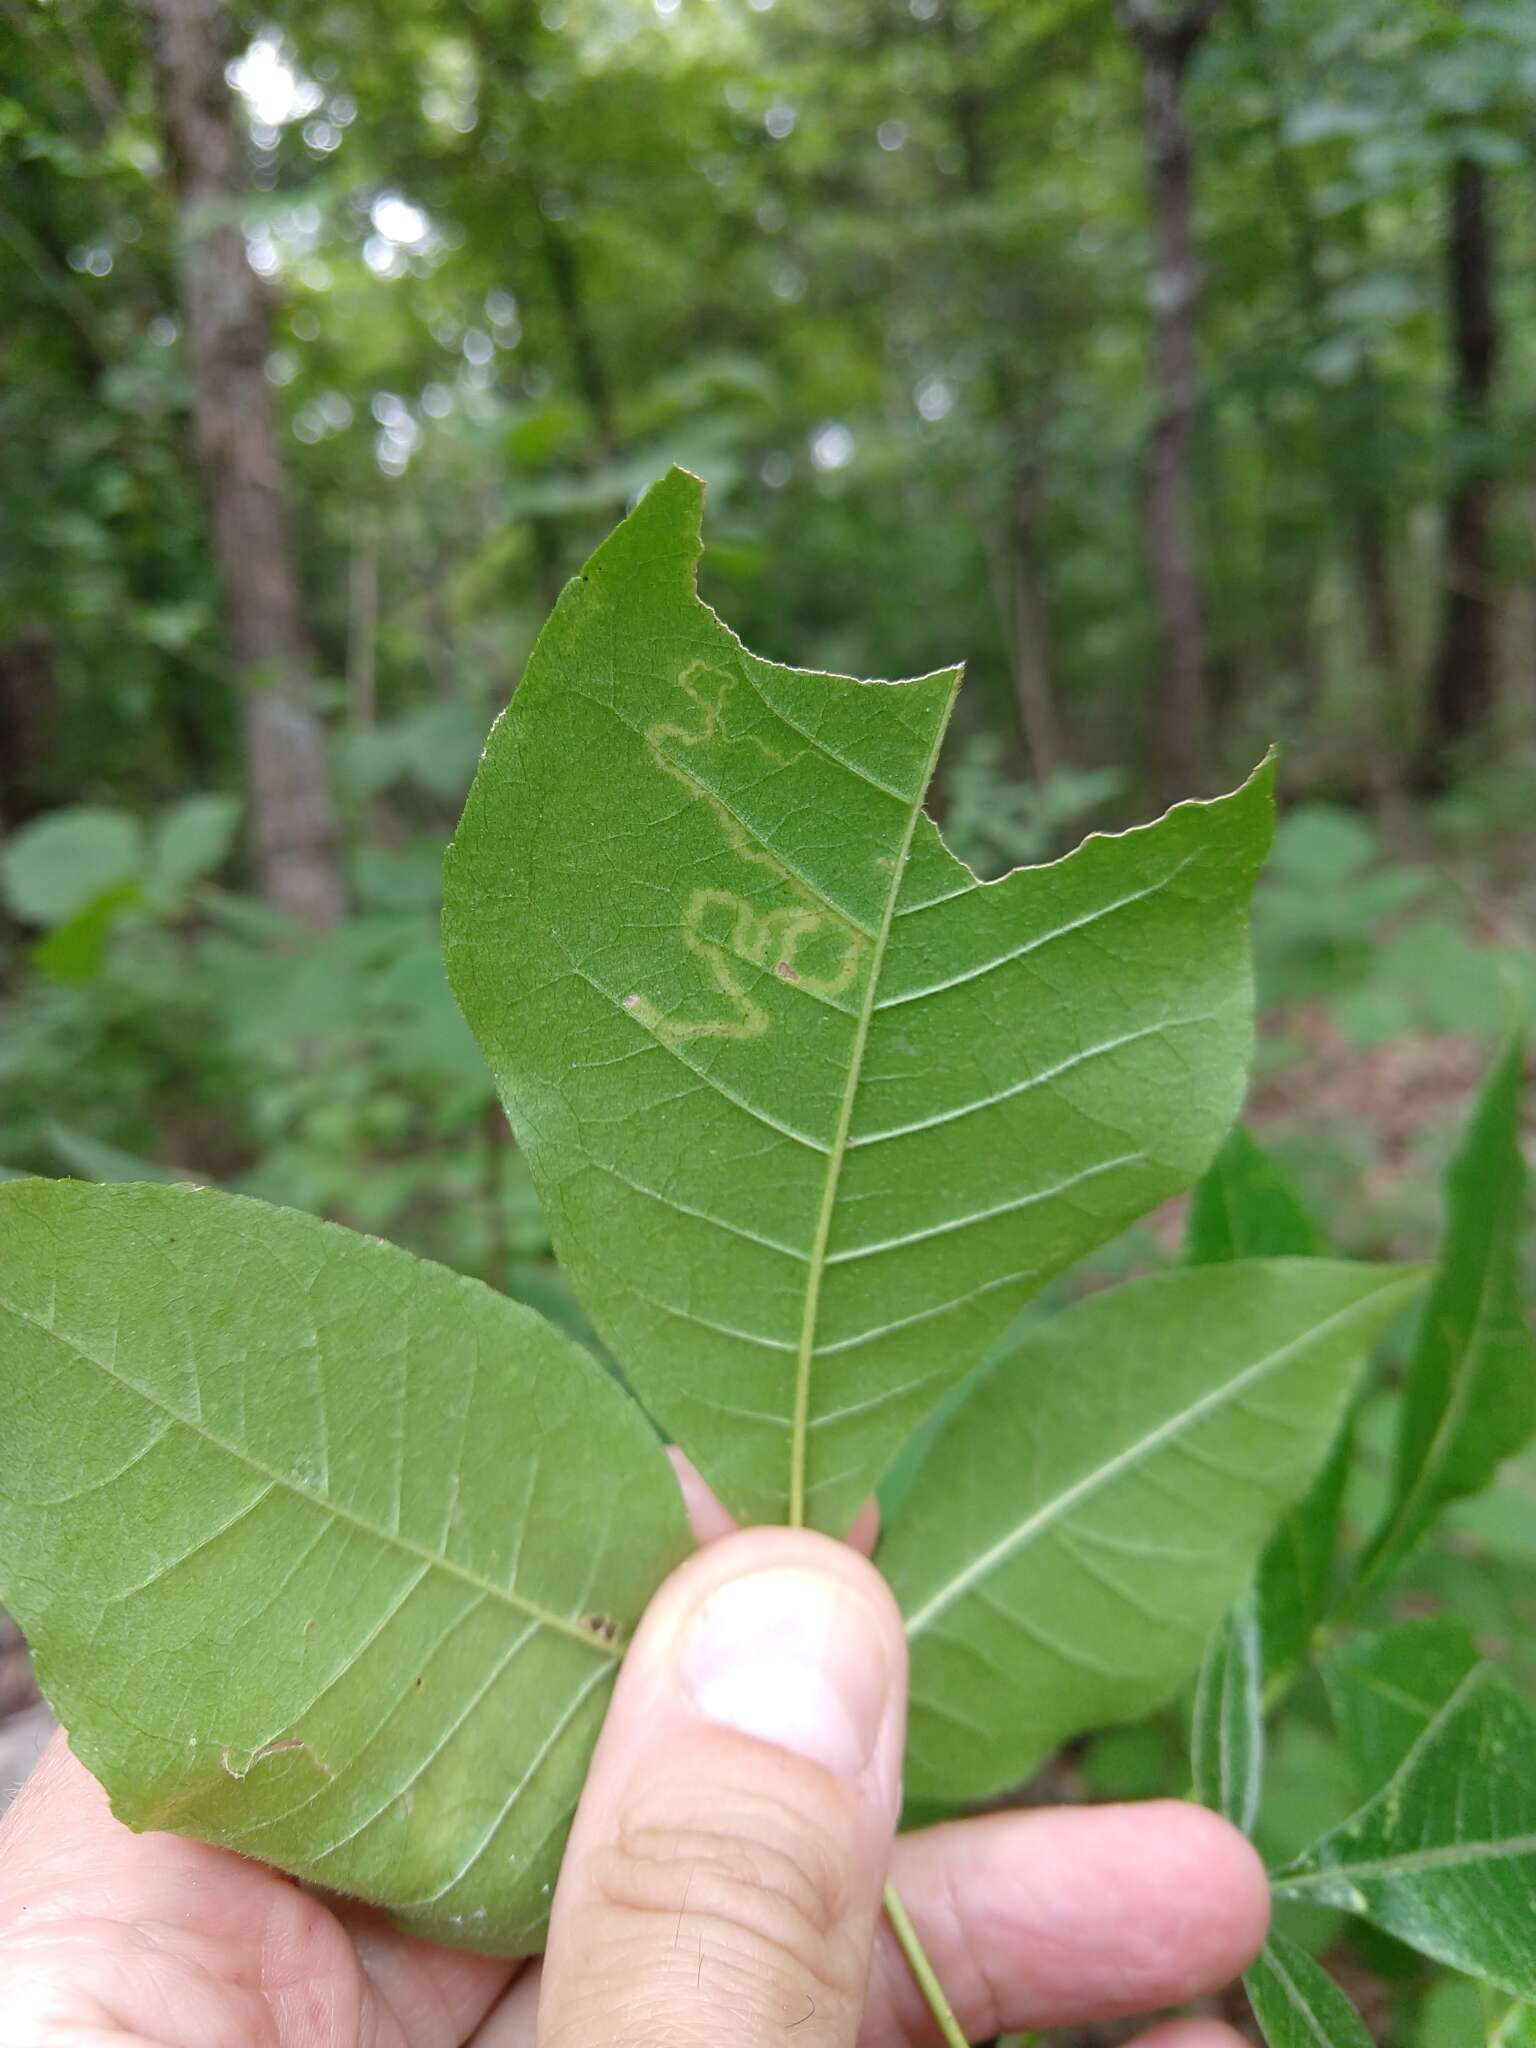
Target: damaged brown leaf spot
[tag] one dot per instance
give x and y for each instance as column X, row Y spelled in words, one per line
column 600, row 1626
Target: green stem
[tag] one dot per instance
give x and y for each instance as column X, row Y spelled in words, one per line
column 922, row 1969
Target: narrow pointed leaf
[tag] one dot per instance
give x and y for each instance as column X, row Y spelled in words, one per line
column 1443, row 1855
column 1090, row 1511
column 1297, row 2003
column 326, row 1554
column 1247, row 1207
column 1227, row 1736
column 1297, row 1571
column 1384, row 1689
column 1469, row 1398
column 811, row 1110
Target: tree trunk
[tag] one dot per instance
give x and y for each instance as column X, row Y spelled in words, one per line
column 28, row 719
column 1463, row 681
column 1033, row 687
column 292, row 813
column 565, row 277
column 1019, row 582
column 1166, row 43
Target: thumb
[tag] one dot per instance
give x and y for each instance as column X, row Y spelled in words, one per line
column 722, row 1882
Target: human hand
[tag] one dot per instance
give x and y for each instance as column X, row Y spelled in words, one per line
column 722, row 1883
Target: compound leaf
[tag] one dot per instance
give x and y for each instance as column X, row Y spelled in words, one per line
column 1443, row 1853
column 1088, row 1513
column 326, row 1554
column 1297, row 2003
column 811, row 1110
column 1469, row 1396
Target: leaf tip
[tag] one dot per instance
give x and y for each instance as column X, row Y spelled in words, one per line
column 663, row 532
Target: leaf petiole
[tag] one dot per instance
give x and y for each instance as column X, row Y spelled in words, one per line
column 922, row 1969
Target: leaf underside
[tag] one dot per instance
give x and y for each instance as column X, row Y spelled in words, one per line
column 326, row 1554
column 1298, row 2004
column 1443, row 1852
column 1469, row 1395
column 812, row 1111
column 1112, row 1513
column 1247, row 1207
column 1227, row 1731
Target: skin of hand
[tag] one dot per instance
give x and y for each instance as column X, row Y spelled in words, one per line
column 721, row 1886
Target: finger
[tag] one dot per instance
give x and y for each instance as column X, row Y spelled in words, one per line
column 1190, row 2034
column 711, row 1518
column 1048, row 1918
column 515, row 2022
column 722, row 1881
column 77, row 1889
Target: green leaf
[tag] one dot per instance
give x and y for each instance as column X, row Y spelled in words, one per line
column 1443, row 1855
column 192, row 839
column 53, row 868
column 326, row 1554
column 1385, row 1688
column 1297, row 2003
column 1296, row 1572
column 811, row 1110
column 90, row 1159
column 1247, row 1207
column 1227, row 1737
column 1096, row 1504
column 1469, row 1397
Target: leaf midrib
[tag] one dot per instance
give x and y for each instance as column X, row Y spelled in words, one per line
column 506, row 1595
column 1295, row 1997
column 1052, row 1511
column 1465, row 1373
column 799, row 1432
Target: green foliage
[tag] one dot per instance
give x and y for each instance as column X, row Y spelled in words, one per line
column 325, row 1549
column 993, row 822
column 1441, row 1855
column 1119, row 1467
column 1469, row 1399
column 1298, row 2004
column 1246, row 1207
column 1081, row 1581
column 791, row 1084
column 85, row 870
column 1227, row 1733
column 1437, row 1846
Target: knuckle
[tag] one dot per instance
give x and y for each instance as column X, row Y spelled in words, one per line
column 735, row 1901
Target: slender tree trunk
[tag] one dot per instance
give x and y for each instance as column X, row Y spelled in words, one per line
column 28, row 717
column 1033, row 686
column 292, row 812
column 1361, row 504
column 363, row 625
column 1463, row 681
column 566, row 279
column 1167, row 42
column 1021, row 586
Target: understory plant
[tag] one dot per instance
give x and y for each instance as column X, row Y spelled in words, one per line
column 330, row 1555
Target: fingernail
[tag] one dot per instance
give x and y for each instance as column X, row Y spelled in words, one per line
column 795, row 1658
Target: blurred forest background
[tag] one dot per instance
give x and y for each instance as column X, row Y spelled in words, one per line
column 1173, row 362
